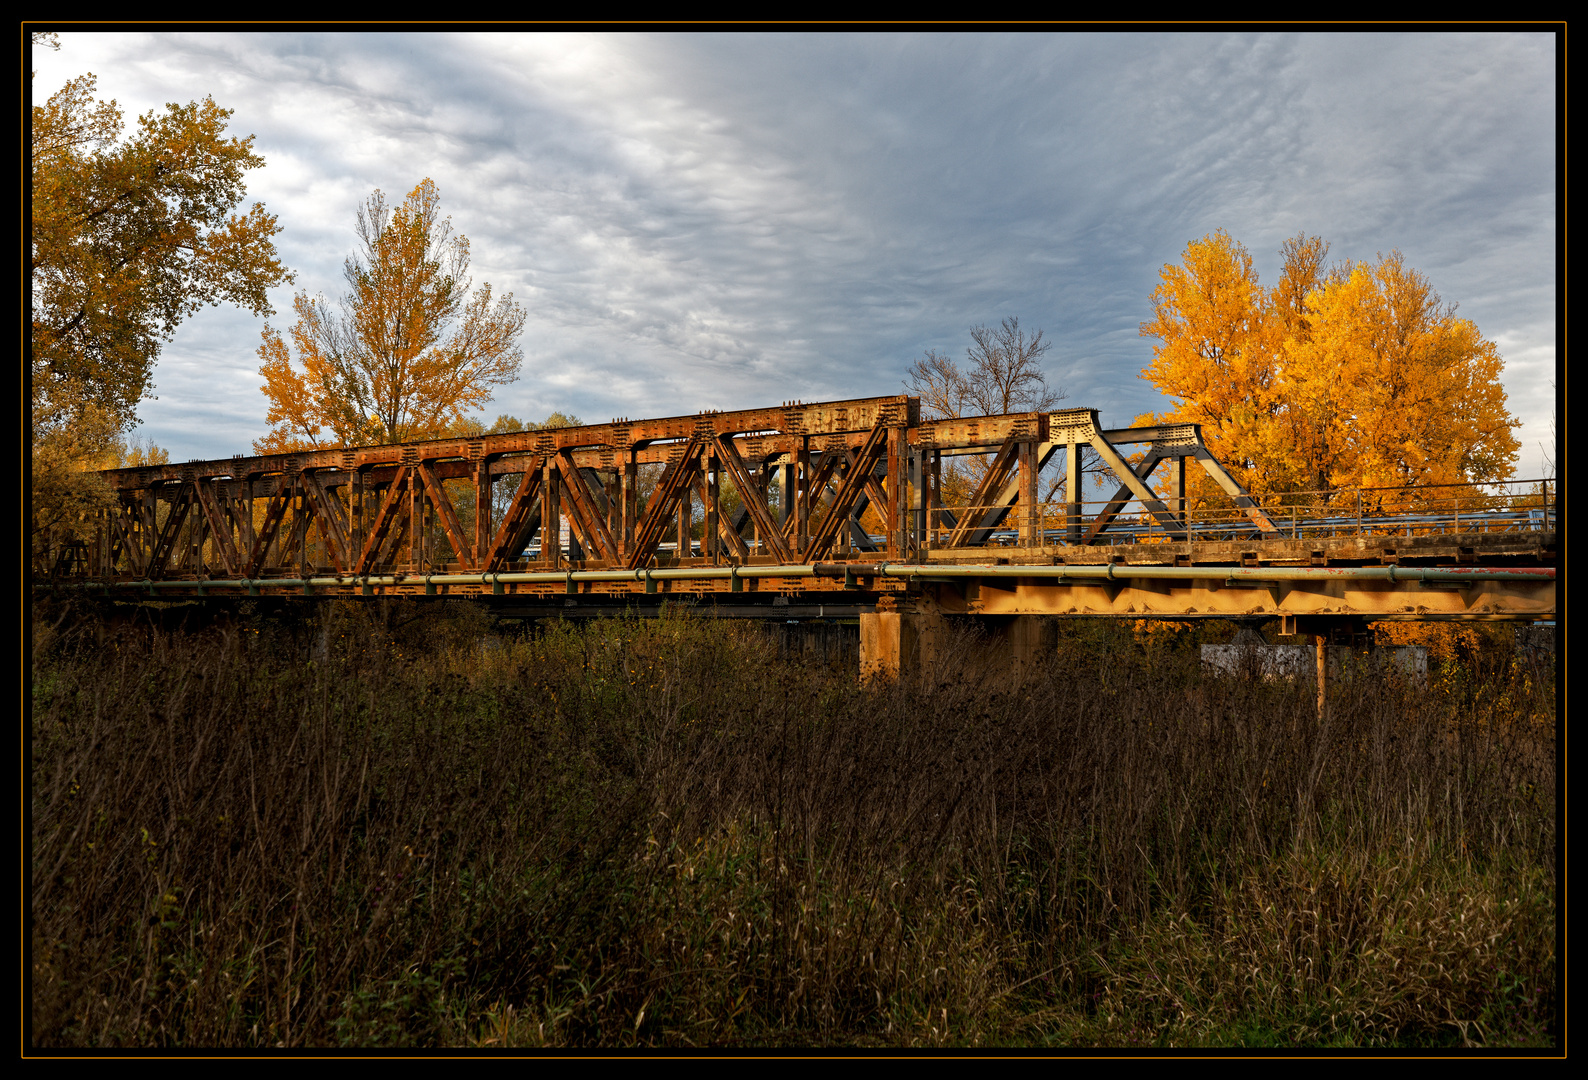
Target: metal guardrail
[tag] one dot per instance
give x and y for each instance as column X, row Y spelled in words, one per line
column 1510, row 506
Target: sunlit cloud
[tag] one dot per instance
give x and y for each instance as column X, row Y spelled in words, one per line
column 723, row 221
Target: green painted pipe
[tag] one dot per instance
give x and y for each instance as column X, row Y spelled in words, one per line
column 849, row 571
column 1118, row 572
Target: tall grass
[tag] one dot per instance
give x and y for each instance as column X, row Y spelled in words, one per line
column 659, row 833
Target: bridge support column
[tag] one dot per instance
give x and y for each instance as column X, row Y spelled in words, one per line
column 900, row 643
column 1025, row 640
column 1320, row 645
column 1341, row 630
column 885, row 639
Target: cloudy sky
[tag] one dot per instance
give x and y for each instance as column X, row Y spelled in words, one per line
column 729, row 221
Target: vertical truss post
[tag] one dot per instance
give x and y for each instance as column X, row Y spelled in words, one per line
column 279, row 541
column 631, row 499
column 550, row 513
column 917, row 500
column 207, row 539
column 148, row 528
column 1177, row 491
column 416, row 523
column 845, row 542
column 612, row 483
column 96, row 557
column 245, row 513
column 355, row 496
column 432, row 543
column 1030, row 520
column 1072, row 489
column 482, row 510
column 685, row 519
column 196, row 531
column 787, row 517
column 759, row 483
column 935, row 500
column 803, row 495
column 896, row 501
column 710, row 543
column 300, row 526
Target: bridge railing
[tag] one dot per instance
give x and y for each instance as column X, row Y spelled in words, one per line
column 1513, row 506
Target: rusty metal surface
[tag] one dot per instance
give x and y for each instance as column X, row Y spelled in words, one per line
column 847, row 484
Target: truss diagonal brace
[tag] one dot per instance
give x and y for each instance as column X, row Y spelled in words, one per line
column 675, row 482
column 1211, row 466
column 982, row 514
column 126, row 521
column 849, row 489
column 522, row 517
column 1122, row 496
column 750, row 498
column 586, row 514
column 818, row 483
column 385, row 518
column 1005, row 500
column 275, row 512
column 173, row 527
column 449, row 516
column 329, row 509
column 1105, row 450
column 220, row 529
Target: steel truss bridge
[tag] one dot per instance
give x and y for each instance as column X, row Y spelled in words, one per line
column 833, row 510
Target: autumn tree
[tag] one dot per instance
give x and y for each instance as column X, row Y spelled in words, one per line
column 127, row 239
column 71, row 434
column 1217, row 357
column 1355, row 376
column 405, row 353
column 1391, row 389
column 1003, row 374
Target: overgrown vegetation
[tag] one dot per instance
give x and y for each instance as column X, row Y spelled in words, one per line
column 657, row 833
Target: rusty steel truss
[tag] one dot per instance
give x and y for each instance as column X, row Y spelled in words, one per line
column 804, row 476
column 825, row 510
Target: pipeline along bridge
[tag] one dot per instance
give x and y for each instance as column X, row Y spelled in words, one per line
column 831, row 510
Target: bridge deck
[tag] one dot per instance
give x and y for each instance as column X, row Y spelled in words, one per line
column 810, row 505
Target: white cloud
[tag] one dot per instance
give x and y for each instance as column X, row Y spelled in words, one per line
column 726, row 220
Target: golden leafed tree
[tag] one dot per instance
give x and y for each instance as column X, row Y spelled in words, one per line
column 1217, row 358
column 1358, row 376
column 1392, row 389
column 405, row 353
column 127, row 238
column 130, row 238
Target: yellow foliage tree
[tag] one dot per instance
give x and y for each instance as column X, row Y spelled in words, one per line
column 130, row 238
column 1393, row 390
column 127, row 238
column 389, row 365
column 1358, row 377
